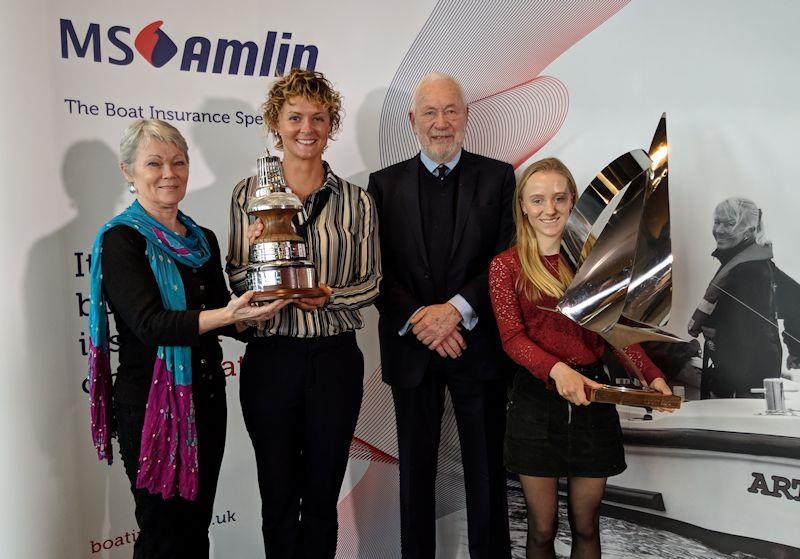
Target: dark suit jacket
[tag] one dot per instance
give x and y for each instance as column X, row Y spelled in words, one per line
column 483, row 228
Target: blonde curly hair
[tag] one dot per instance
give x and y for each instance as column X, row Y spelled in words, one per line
column 308, row 84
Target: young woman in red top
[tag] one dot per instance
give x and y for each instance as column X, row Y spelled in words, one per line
column 552, row 430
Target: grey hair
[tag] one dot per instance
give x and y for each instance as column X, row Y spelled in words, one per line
column 149, row 129
column 432, row 78
column 746, row 216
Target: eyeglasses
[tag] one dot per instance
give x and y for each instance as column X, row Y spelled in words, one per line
column 450, row 114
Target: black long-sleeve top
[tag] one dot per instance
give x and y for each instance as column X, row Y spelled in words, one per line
column 143, row 324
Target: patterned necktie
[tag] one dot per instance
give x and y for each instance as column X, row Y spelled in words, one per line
column 441, row 171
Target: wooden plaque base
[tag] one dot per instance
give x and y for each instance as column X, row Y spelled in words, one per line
column 632, row 397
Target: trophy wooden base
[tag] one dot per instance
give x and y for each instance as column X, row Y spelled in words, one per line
column 632, row 397
column 286, row 293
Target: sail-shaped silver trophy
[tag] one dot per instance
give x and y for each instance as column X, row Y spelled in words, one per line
column 622, row 288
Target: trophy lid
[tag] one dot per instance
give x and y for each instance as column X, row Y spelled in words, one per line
column 270, row 172
column 272, row 191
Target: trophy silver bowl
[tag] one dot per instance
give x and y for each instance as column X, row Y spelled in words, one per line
column 278, row 259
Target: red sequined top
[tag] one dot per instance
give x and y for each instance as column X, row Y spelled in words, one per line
column 536, row 338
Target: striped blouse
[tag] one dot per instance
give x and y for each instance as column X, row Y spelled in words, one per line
column 342, row 243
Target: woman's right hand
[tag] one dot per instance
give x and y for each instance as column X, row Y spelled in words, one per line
column 241, row 309
column 238, row 311
column 570, row 384
column 254, row 230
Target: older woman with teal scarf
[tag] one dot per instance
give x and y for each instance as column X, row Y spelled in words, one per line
column 160, row 275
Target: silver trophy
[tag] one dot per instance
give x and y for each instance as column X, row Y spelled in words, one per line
column 622, row 287
column 279, row 268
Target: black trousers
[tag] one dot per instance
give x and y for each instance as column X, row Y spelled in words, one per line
column 479, row 408
column 175, row 528
column 300, row 401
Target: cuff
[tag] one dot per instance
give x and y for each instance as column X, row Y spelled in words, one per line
column 407, row 326
column 547, row 365
column 468, row 317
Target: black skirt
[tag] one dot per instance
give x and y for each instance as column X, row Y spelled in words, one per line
column 546, row 436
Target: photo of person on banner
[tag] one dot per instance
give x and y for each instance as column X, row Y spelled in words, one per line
column 302, row 374
column 739, row 313
column 160, row 274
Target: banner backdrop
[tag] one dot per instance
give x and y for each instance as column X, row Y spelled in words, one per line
column 583, row 80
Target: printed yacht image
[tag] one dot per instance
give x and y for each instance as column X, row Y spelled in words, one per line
column 716, row 479
column 725, row 469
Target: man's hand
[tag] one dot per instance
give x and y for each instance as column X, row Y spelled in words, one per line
column 452, row 346
column 434, row 323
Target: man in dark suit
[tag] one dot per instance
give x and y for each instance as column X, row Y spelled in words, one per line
column 443, row 215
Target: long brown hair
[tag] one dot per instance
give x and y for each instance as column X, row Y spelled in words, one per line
column 536, row 281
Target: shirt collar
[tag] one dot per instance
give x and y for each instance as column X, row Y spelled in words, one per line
column 331, row 180
column 431, row 165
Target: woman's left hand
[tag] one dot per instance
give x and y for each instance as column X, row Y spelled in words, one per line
column 313, row 303
column 660, row 385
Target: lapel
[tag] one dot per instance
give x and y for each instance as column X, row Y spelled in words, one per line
column 468, row 181
column 409, row 194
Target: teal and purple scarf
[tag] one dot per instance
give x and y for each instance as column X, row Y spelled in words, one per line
column 168, row 455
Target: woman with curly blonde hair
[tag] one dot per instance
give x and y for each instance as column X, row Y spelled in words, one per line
column 302, row 374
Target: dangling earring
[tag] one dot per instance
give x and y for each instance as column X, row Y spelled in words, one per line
column 131, row 188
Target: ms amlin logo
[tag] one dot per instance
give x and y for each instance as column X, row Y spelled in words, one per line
column 229, row 56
